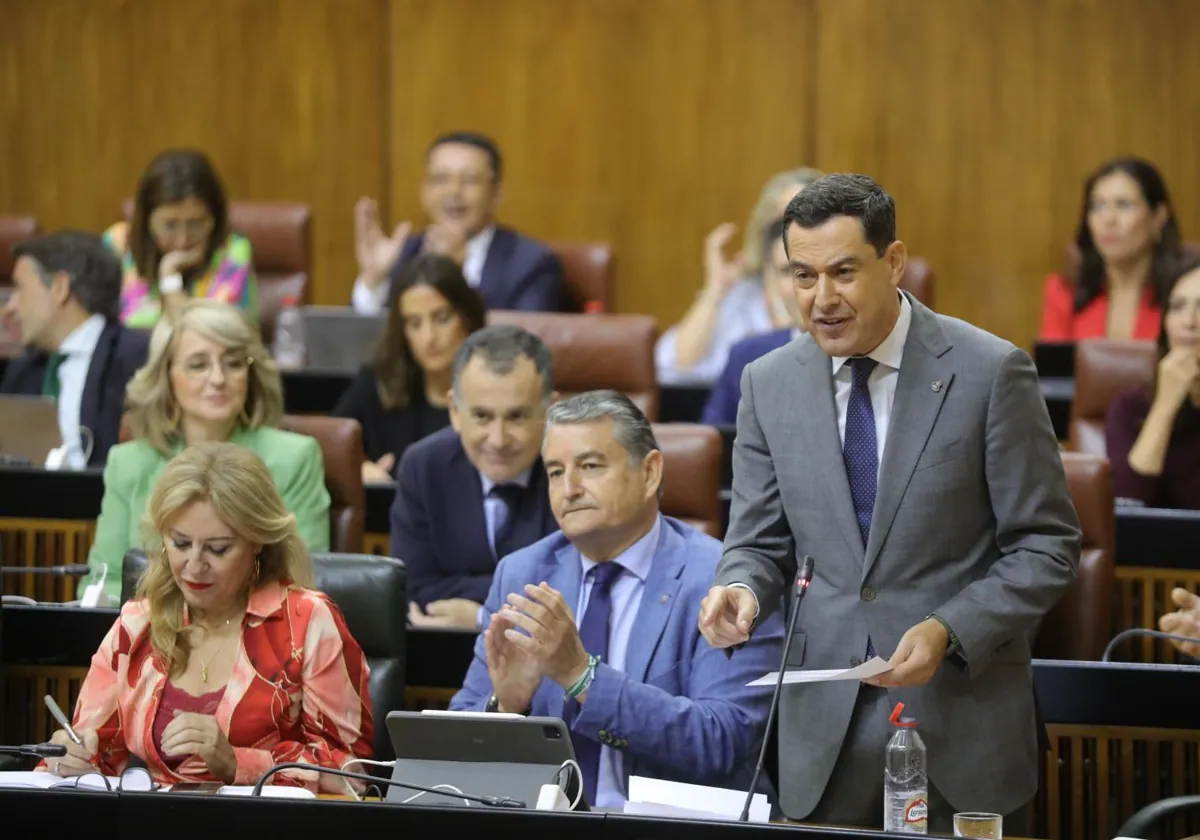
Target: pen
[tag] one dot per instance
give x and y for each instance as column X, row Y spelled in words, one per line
column 62, row 720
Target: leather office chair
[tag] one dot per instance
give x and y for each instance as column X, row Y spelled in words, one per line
column 1080, row 625
column 1103, row 369
column 596, row 351
column 280, row 235
column 917, row 280
column 342, row 450
column 587, row 274
column 372, row 593
column 13, row 231
column 691, row 474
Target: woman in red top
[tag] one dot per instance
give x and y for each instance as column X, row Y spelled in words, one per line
column 1127, row 238
column 225, row 663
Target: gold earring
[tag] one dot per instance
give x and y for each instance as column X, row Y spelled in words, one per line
column 164, row 553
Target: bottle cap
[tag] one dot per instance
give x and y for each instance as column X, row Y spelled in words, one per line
column 289, row 300
column 594, row 307
column 899, row 721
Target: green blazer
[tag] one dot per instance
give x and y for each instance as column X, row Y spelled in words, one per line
column 133, row 468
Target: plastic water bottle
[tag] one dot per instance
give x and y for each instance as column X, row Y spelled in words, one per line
column 288, row 349
column 905, row 779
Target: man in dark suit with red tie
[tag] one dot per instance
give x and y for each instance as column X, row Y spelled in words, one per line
column 460, row 194
column 472, row 493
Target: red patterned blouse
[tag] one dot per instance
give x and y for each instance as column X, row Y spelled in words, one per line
column 298, row 692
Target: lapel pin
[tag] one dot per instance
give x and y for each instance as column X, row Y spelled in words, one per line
column 936, row 386
column 664, row 599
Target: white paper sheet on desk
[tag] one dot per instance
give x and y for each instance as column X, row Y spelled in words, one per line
column 276, row 791
column 659, row 798
column 871, row 668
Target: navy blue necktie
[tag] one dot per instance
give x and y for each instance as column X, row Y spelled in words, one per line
column 593, row 632
column 510, row 498
column 860, row 452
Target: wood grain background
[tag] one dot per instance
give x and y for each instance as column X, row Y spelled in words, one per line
column 641, row 122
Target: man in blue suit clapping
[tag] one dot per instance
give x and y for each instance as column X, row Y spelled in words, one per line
column 596, row 623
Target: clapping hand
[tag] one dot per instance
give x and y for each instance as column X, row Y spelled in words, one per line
column 376, row 251
column 1184, row 621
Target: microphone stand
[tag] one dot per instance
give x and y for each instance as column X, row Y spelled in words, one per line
column 1142, row 631
column 803, row 579
column 491, row 801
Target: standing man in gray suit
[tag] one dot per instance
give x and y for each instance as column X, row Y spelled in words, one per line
column 911, row 455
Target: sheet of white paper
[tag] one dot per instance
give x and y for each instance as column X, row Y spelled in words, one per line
column 277, row 791
column 659, row 798
column 870, row 668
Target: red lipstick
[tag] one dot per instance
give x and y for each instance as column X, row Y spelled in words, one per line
column 196, row 586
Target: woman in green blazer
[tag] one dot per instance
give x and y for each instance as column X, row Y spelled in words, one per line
column 208, row 378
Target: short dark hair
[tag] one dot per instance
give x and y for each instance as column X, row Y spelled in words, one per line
column 1092, row 271
column 397, row 374
column 846, row 194
column 94, row 270
column 471, row 138
column 500, row 347
column 175, row 175
column 772, row 234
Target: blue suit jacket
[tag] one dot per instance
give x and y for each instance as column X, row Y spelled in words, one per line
column 519, row 273
column 439, row 528
column 118, row 355
column 681, row 710
column 721, row 407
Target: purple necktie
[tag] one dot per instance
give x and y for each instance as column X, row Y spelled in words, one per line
column 593, row 632
column 859, row 452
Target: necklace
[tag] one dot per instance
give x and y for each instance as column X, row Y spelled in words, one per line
column 216, row 653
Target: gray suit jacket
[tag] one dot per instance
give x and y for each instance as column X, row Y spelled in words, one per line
column 973, row 521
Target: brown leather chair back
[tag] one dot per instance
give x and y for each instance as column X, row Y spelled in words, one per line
column 13, row 231
column 587, row 275
column 917, row 280
column 280, row 235
column 1105, row 367
column 596, row 351
column 691, row 474
column 1080, row 625
column 342, row 450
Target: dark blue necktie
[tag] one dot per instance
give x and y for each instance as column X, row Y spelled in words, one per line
column 593, row 632
column 510, row 498
column 859, row 452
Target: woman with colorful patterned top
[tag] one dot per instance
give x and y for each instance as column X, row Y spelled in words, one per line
column 227, row 662
column 178, row 245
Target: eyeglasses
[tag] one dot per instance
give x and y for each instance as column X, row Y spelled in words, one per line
column 133, row 780
column 199, row 368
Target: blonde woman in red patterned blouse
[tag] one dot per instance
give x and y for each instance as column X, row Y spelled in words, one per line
column 227, row 661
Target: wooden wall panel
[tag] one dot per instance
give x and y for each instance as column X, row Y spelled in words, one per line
column 285, row 95
column 645, row 124
column 983, row 117
column 640, row 122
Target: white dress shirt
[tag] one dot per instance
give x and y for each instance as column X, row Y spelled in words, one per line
column 78, row 348
column 368, row 301
column 743, row 312
column 882, row 382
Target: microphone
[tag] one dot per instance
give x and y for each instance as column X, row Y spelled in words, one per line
column 37, row 750
column 74, row 569
column 1142, row 631
column 803, row 579
column 491, row 801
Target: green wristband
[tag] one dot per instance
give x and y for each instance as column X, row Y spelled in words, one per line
column 581, row 685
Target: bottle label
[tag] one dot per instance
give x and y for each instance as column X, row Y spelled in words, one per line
column 916, row 813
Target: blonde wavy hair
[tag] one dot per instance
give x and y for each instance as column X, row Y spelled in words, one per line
column 766, row 211
column 153, row 411
column 236, row 483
